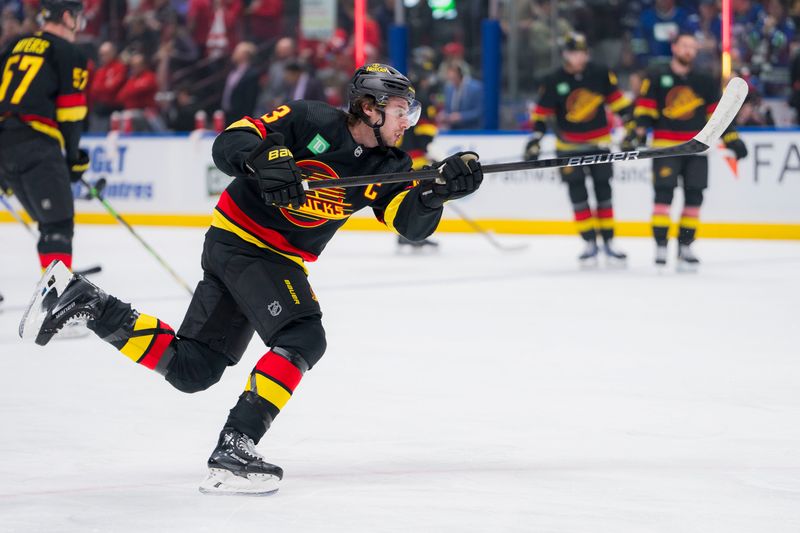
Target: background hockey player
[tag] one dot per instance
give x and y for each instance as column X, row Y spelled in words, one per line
column 42, row 106
column 675, row 101
column 576, row 95
column 265, row 228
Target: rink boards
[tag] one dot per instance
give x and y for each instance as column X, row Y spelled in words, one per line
column 171, row 180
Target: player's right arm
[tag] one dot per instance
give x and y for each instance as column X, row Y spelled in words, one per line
column 645, row 114
column 257, row 148
column 544, row 110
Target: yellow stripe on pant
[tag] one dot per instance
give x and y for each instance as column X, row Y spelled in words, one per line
column 137, row 345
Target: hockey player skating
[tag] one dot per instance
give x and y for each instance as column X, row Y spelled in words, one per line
column 675, row 101
column 42, row 106
column 265, row 228
column 577, row 95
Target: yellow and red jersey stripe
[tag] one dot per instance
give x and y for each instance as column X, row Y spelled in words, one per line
column 662, row 138
column 229, row 217
column 646, row 107
column 617, row 101
column 541, row 113
column 44, row 125
column 71, row 107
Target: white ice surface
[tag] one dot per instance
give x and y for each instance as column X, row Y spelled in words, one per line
column 468, row 391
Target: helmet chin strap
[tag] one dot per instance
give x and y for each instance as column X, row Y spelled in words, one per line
column 376, row 128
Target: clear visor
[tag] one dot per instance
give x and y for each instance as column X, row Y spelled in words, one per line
column 410, row 115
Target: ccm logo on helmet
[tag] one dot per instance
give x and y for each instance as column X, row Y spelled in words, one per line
column 602, row 158
column 281, row 152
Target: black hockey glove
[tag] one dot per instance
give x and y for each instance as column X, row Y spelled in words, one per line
column 279, row 178
column 532, row 148
column 79, row 166
column 735, row 145
column 461, row 175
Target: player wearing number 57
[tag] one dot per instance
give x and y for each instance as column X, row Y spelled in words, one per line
column 42, row 107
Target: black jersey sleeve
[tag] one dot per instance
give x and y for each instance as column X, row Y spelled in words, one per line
column 646, row 111
column 616, row 99
column 545, row 105
column 71, row 107
column 401, row 209
column 232, row 146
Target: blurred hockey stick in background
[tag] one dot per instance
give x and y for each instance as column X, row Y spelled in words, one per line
column 15, row 215
column 477, row 228
column 94, row 193
column 729, row 105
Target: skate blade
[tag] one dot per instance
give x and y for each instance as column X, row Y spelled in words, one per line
column 686, row 268
column 224, row 483
column 616, row 262
column 588, row 264
column 73, row 330
column 54, row 280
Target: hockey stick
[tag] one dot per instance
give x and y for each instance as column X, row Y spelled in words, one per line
column 477, row 228
column 723, row 115
column 94, row 193
column 14, row 214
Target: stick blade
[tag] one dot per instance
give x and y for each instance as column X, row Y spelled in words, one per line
column 727, row 108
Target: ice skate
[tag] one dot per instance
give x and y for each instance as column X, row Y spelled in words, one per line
column 588, row 258
column 614, row 256
column 661, row 255
column 687, row 261
column 63, row 301
column 236, row 468
column 416, row 247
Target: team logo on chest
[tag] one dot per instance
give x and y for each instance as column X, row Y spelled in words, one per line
column 681, row 102
column 322, row 205
column 582, row 105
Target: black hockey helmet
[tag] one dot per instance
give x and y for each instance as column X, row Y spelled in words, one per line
column 381, row 82
column 53, row 9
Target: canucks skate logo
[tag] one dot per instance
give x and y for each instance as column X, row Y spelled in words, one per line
column 680, row 103
column 321, row 205
column 275, row 308
column 582, row 105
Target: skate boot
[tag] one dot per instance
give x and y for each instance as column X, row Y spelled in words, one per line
column 661, row 255
column 588, row 258
column 614, row 256
column 62, row 300
column 235, row 467
column 416, row 247
column 687, row 261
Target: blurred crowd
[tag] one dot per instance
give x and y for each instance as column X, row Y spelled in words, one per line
column 172, row 64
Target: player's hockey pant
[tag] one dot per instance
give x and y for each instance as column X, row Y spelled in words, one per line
column 693, row 170
column 192, row 366
column 587, row 222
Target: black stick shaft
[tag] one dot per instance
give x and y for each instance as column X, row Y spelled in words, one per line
column 692, row 147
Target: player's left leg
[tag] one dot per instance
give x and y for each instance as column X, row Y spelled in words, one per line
column 575, row 178
column 695, row 181
column 601, row 178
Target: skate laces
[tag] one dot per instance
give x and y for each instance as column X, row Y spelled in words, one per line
column 246, row 444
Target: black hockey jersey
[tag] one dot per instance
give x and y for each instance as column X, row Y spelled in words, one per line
column 578, row 103
column 43, row 84
column 318, row 136
column 676, row 107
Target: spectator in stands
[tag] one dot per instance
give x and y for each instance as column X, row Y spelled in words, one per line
column 141, row 38
column 264, row 20
column 139, row 90
column 241, row 86
column 301, row 84
column 753, row 114
column 658, row 26
column 776, row 33
column 463, row 101
column 706, row 26
column 177, row 51
column 105, row 86
column 274, row 90
column 543, row 29
column 199, row 16
column 10, row 24
column 181, row 114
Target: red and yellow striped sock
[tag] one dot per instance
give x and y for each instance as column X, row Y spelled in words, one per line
column 274, row 379
column 46, row 259
column 147, row 343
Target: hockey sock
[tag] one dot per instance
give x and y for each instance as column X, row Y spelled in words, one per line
column 268, row 389
column 690, row 216
column 661, row 220
column 605, row 219
column 584, row 221
column 55, row 243
column 144, row 339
